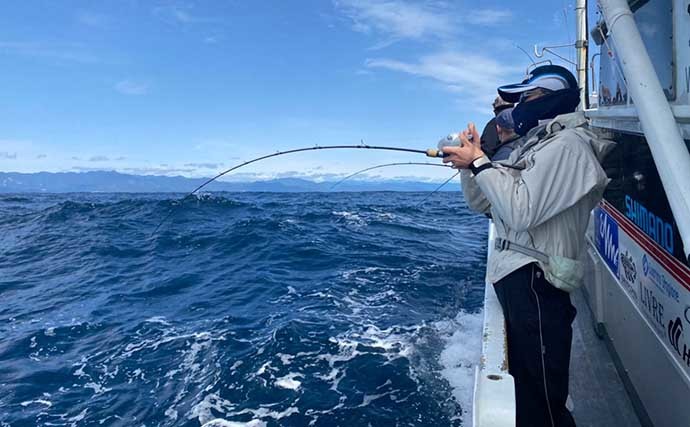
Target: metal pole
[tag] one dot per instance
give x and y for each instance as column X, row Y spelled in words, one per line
column 656, row 117
column 582, row 51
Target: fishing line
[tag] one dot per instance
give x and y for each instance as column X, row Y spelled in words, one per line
column 429, row 153
column 383, row 166
column 438, row 189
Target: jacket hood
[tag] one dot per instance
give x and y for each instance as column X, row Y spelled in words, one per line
column 578, row 122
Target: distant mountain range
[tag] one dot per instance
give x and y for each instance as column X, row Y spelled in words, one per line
column 115, row 182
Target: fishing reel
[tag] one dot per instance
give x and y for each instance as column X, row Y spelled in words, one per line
column 452, row 140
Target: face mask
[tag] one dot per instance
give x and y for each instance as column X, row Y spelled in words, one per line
column 526, row 115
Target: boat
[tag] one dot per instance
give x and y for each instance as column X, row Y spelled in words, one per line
column 630, row 363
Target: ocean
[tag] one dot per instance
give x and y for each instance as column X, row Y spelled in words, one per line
column 244, row 309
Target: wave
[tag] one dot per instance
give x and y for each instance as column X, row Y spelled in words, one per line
column 243, row 310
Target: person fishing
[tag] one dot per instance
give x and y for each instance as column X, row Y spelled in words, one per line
column 490, row 140
column 508, row 139
column 540, row 201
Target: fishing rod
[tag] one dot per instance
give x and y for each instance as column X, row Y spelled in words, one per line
column 432, row 152
column 383, row 166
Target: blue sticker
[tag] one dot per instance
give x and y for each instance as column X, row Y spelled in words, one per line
column 607, row 239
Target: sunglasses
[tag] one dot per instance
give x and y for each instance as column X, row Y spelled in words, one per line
column 531, row 94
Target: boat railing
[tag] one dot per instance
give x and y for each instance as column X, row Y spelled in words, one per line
column 494, row 387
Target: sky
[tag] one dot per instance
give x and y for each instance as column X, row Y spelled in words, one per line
column 193, row 87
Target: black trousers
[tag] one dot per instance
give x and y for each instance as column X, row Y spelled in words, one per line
column 538, row 323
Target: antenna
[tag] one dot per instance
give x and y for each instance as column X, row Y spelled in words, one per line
column 540, row 53
column 526, row 53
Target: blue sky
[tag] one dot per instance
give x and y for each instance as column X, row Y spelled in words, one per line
column 190, row 87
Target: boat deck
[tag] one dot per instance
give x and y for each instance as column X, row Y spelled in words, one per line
column 596, row 389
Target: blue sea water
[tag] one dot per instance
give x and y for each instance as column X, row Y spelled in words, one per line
column 263, row 309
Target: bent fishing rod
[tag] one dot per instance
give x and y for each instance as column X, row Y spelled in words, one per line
column 432, row 152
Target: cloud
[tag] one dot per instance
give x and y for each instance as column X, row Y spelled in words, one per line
column 76, row 158
column 66, row 52
column 316, row 176
column 144, row 170
column 474, row 76
column 398, row 19
column 204, row 165
column 180, row 14
column 89, row 169
column 270, row 175
column 157, row 170
column 121, row 158
column 129, row 87
column 92, row 19
column 41, row 156
column 99, row 159
column 491, row 16
column 8, row 156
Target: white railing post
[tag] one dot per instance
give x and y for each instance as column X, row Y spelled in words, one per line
column 581, row 44
column 494, row 387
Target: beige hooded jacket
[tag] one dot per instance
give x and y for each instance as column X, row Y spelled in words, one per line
column 544, row 200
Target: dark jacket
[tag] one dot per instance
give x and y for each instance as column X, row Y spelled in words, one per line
column 503, row 151
column 489, row 139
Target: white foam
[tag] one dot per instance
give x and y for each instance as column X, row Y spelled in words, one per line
column 387, row 383
column 351, row 218
column 171, row 413
column 202, row 410
column 367, row 270
column 286, row 359
column 395, row 341
column 368, row 398
column 335, row 379
column 47, row 403
column 347, row 350
column 330, row 377
column 97, row 388
column 158, row 319
column 79, row 417
column 190, row 364
column 153, row 344
column 289, row 381
column 266, row 413
column 225, row 423
column 80, row 372
column 136, row 374
column 463, row 337
column 263, row 368
column 346, row 214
